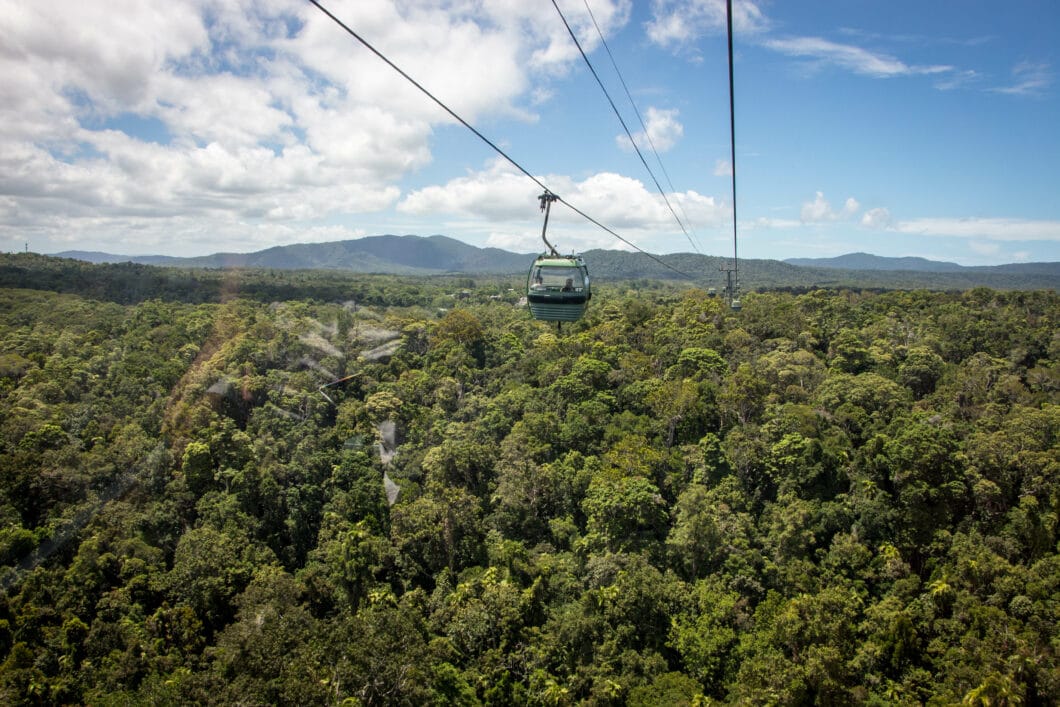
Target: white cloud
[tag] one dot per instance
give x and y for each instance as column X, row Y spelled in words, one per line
column 850, row 57
column 1029, row 79
column 515, row 242
column 201, row 107
column 957, row 79
column 876, row 218
column 819, row 210
column 558, row 51
column 476, row 64
column 184, row 125
column 816, row 210
column 677, row 23
column 501, row 195
column 722, row 168
column 137, row 235
column 986, row 229
column 498, row 193
column 106, row 51
column 247, row 111
column 663, row 131
column 702, row 211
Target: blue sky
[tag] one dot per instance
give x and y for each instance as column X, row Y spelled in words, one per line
column 191, row 127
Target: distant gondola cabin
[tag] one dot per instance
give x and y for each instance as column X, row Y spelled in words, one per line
column 557, row 288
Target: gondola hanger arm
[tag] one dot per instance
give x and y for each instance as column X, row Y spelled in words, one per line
column 546, row 205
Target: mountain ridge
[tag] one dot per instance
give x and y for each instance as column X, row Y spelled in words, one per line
column 388, row 253
column 455, row 255
column 441, row 255
column 867, row 261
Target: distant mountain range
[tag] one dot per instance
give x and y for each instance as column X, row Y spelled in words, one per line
column 866, row 261
column 406, row 255
column 440, row 255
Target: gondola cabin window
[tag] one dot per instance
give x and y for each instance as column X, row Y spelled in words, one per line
column 552, row 278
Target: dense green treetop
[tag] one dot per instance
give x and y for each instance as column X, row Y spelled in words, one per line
column 831, row 497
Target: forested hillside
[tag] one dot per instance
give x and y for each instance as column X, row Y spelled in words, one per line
column 438, row 255
column 834, row 497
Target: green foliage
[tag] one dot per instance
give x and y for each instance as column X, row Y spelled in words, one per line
column 830, row 497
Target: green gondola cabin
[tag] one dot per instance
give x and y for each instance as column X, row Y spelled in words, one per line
column 557, row 288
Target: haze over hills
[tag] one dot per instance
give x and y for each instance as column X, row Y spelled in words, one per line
column 440, row 255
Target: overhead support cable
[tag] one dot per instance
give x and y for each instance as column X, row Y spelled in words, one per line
column 644, row 127
column 486, row 140
column 732, row 147
column 623, row 122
